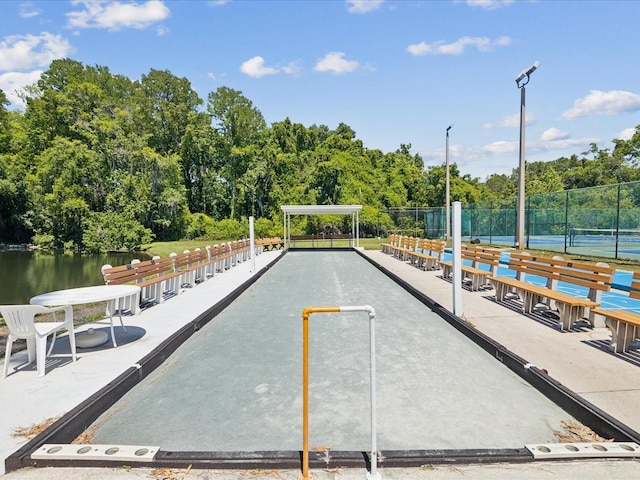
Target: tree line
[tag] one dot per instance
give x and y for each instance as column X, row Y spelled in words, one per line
column 97, row 161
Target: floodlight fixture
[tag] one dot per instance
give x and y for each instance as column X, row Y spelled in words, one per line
column 526, row 74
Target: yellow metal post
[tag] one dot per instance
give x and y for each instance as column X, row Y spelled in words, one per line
column 305, row 383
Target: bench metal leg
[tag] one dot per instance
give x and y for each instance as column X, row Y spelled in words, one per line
column 501, row 291
column 528, row 300
column 569, row 315
column 447, row 270
column 622, row 335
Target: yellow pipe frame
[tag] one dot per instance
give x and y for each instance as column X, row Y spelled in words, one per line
column 305, row 383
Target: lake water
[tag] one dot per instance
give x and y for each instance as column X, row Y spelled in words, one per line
column 26, row 274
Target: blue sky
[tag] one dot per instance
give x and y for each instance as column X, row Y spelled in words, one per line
column 395, row 71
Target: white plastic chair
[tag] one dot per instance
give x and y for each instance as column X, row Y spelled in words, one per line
column 20, row 320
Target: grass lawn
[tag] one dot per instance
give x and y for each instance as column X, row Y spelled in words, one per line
column 163, row 249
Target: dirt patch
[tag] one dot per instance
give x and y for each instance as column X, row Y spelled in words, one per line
column 574, row 432
column 35, row 429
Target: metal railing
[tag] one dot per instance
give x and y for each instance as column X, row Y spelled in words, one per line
column 373, row 474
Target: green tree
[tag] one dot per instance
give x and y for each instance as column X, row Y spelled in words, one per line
column 5, row 137
column 68, row 185
column 463, row 189
column 167, row 105
column 240, row 124
column 104, row 232
column 200, row 163
column 549, row 181
column 501, row 186
column 628, row 150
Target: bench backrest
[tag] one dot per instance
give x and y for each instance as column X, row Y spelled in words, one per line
column 592, row 276
column 488, row 256
column 635, row 286
column 433, row 247
column 119, row 274
column 393, row 240
column 180, row 260
column 240, row 245
column 136, row 271
column 153, row 268
column 187, row 259
column 219, row 251
column 409, row 243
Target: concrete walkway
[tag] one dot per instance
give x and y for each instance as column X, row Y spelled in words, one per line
column 577, row 359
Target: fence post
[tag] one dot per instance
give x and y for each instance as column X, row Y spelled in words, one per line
column 567, row 232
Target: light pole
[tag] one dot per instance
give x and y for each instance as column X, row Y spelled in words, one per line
column 448, row 189
column 521, row 81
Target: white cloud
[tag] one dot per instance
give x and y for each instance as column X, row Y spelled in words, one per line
column 218, row 3
column 501, row 148
column 483, row 44
column 212, row 76
column 598, row 102
column 254, row 67
column 13, row 83
column 23, row 52
column 626, row 134
column 336, row 63
column 292, row 68
column 502, row 156
column 561, row 144
column 512, row 121
column 28, row 10
column 115, row 15
column 363, row 6
column 489, row 4
column 553, row 134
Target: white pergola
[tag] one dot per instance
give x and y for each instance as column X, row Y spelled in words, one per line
column 353, row 210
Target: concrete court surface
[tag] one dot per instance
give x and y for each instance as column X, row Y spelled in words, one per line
column 236, row 385
column 601, row 378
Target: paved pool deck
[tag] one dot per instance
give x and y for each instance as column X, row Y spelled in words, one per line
column 578, row 359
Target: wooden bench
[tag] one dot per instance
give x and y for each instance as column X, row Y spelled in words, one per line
column 392, row 242
column 624, row 325
column 191, row 265
column 475, row 256
column 157, row 280
column 155, row 277
column 398, row 245
column 270, row 243
column 595, row 277
column 220, row 255
column 240, row 249
column 406, row 246
column 428, row 254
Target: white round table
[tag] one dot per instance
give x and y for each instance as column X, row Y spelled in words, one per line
column 83, row 295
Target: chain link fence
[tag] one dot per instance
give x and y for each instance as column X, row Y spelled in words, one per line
column 598, row 221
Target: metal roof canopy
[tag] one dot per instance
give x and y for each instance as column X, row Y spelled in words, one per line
column 353, row 210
